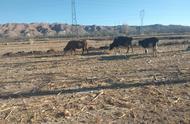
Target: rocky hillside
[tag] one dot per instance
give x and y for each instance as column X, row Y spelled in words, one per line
column 23, row 30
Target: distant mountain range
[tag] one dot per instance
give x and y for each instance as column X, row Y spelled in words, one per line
column 23, row 30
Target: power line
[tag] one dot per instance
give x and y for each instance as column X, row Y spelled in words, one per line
column 141, row 15
column 74, row 28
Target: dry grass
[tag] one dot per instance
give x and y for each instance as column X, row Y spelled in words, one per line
column 100, row 87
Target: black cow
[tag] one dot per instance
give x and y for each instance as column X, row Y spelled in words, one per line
column 72, row 45
column 122, row 41
column 148, row 43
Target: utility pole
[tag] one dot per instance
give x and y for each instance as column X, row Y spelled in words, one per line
column 141, row 15
column 74, row 28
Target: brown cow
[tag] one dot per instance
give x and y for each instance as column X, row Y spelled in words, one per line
column 72, row 45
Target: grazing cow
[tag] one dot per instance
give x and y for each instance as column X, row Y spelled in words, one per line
column 149, row 42
column 72, row 45
column 122, row 41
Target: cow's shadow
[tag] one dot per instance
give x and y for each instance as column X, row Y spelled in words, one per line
column 90, row 89
column 124, row 57
column 95, row 53
column 114, row 57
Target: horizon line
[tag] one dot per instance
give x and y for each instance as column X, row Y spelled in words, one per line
column 88, row 24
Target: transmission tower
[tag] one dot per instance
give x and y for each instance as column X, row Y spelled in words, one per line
column 74, row 28
column 141, row 15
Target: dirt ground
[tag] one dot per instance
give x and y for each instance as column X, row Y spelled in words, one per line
column 98, row 87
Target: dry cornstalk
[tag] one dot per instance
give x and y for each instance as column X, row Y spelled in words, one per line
column 92, row 100
column 122, row 116
column 83, row 108
column 10, row 113
column 97, row 96
column 91, row 114
column 5, row 109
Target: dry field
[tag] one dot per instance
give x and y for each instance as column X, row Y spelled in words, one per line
column 99, row 87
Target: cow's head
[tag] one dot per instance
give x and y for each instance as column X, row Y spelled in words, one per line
column 65, row 49
column 111, row 46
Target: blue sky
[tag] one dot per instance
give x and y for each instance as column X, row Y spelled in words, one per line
column 99, row 12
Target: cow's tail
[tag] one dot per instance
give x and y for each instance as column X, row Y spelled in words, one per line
column 156, row 45
column 132, row 47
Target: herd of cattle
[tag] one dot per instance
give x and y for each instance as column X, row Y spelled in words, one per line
column 121, row 41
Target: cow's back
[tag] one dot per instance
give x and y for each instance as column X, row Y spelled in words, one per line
column 70, row 45
column 148, row 42
column 76, row 44
column 123, row 41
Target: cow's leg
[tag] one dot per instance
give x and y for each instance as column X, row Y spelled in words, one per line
column 156, row 47
column 117, row 50
column 74, row 51
column 127, row 49
column 71, row 51
column 86, row 50
column 64, row 53
column 154, row 51
column 132, row 48
column 114, row 50
column 146, row 50
column 82, row 51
